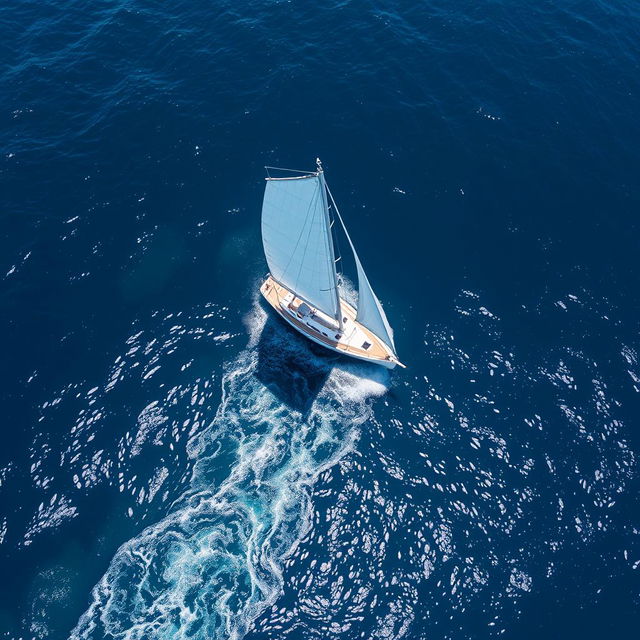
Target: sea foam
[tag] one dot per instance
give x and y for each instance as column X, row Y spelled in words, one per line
column 214, row 563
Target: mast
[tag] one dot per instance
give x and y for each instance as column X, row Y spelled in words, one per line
column 324, row 189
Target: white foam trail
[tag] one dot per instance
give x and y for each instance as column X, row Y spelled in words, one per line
column 215, row 562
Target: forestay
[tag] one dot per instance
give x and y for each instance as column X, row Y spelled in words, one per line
column 297, row 240
column 370, row 311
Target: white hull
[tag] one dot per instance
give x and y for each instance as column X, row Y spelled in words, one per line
column 383, row 363
column 355, row 340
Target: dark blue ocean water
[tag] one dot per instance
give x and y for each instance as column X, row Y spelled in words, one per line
column 176, row 463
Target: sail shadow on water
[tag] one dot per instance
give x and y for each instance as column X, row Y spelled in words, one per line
column 296, row 370
column 290, row 367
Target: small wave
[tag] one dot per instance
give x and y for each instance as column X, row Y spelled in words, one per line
column 461, row 500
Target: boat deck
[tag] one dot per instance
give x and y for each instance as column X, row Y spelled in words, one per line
column 355, row 339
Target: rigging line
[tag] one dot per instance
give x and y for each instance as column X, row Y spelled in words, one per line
column 306, row 246
column 335, row 206
column 344, row 228
column 336, row 240
column 328, row 249
column 298, row 240
column 310, row 221
column 333, row 275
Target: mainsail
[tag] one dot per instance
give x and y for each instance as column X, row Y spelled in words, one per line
column 297, row 240
column 370, row 312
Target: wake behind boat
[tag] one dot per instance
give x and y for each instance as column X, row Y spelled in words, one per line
column 303, row 283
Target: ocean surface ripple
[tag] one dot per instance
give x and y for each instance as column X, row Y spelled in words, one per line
column 176, row 463
column 215, row 561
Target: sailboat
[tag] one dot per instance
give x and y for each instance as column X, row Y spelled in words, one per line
column 298, row 213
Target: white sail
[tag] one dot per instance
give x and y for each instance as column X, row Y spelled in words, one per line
column 370, row 312
column 297, row 240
